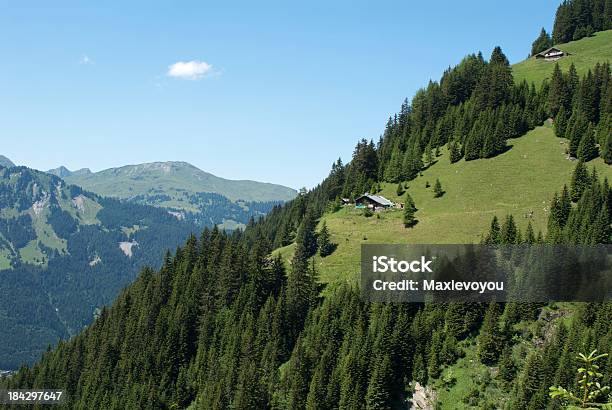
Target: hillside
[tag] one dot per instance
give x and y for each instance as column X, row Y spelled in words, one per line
column 259, row 319
column 517, row 182
column 64, row 253
column 584, row 54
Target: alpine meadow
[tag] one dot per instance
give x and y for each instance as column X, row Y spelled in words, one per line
column 269, row 314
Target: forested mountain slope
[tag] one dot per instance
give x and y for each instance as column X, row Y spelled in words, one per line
column 64, row 253
column 225, row 325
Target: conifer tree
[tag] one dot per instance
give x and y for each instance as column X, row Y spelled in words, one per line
column 561, row 122
column 557, row 92
column 541, row 43
column 438, row 191
column 587, row 150
column 474, row 142
column 454, row 151
column 449, row 351
column 379, row 394
column 419, row 371
column 530, row 237
column 408, row 218
column 530, row 380
column 606, row 152
column 306, row 236
column 400, row 189
column 580, row 181
column 323, row 240
column 433, row 356
column 494, row 235
column 575, row 132
column 410, row 202
column 507, row 368
column 429, row 157
column 509, row 233
column 489, row 339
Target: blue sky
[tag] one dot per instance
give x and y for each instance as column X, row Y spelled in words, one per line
column 276, row 91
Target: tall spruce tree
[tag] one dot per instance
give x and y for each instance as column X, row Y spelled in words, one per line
column 541, row 43
column 561, row 122
column 324, row 241
column 489, row 340
column 438, row 191
column 580, row 181
column 587, row 149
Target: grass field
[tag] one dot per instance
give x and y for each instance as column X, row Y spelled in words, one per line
column 584, row 53
column 520, row 181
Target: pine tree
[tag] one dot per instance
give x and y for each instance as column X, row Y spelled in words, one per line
column 489, row 340
column 474, row 142
column 454, row 151
column 449, row 353
column 507, row 368
column 379, row 394
column 433, row 357
column 429, row 157
column 419, row 371
column 530, row 380
column 494, row 235
column 606, row 152
column 563, row 30
column 306, row 234
column 561, row 122
column 323, row 240
column 438, row 191
column 587, row 150
column 557, row 92
column 580, row 181
column 409, row 219
column 541, row 43
column 410, row 202
column 530, row 237
column 509, row 232
column 400, row 189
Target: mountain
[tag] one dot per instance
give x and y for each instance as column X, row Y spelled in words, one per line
column 64, row 172
column 176, row 179
column 65, row 253
column 227, row 323
column 5, row 162
column 184, row 190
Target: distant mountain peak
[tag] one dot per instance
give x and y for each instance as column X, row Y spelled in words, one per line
column 60, row 171
column 5, row 162
column 174, row 179
column 64, row 172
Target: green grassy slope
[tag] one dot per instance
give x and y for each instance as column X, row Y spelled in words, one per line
column 585, row 53
column 174, row 178
column 521, row 180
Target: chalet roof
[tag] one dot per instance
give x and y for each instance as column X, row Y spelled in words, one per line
column 376, row 198
column 551, row 49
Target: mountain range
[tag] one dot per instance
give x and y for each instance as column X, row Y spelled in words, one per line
column 65, row 253
column 184, row 190
column 265, row 318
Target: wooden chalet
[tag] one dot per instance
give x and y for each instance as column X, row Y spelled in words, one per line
column 551, row 54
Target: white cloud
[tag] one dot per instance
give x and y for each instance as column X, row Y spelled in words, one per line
column 189, row 70
column 85, row 60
